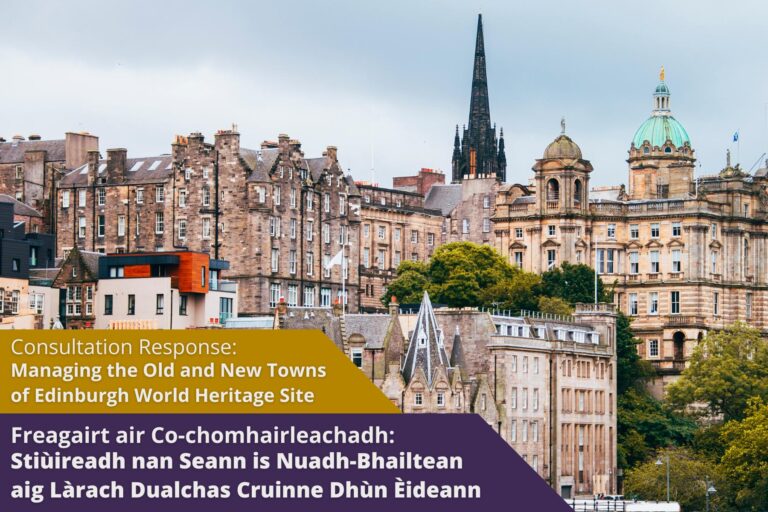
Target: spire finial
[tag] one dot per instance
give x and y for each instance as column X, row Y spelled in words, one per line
column 562, row 125
column 727, row 158
column 661, row 74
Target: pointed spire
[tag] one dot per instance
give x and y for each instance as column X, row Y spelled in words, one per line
column 457, row 354
column 479, row 154
column 479, row 110
column 426, row 348
column 502, row 158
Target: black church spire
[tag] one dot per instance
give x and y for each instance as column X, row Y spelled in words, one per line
column 479, row 153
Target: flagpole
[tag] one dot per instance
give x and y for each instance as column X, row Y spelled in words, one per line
column 343, row 279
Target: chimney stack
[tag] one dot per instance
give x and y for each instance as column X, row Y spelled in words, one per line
column 93, row 166
column 116, row 164
column 77, row 146
column 394, row 307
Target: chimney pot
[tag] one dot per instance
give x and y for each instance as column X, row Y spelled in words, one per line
column 18, row 138
column 34, row 136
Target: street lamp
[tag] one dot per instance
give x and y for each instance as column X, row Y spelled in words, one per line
column 710, row 490
column 659, row 462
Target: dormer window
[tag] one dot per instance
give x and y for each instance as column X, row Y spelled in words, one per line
column 646, row 150
column 668, row 149
column 422, row 340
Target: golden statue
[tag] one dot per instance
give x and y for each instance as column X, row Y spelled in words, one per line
column 661, row 74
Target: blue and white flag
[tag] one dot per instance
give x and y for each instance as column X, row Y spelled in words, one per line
column 736, row 136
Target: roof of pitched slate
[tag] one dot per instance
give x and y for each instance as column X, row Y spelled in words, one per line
column 151, row 169
column 373, row 328
column 443, row 198
column 13, row 151
column 260, row 162
column 19, row 208
column 426, row 348
column 316, row 167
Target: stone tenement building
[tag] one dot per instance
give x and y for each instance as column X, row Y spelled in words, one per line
column 686, row 255
column 396, row 226
column 275, row 215
column 402, row 225
column 548, row 386
column 479, row 153
column 30, row 167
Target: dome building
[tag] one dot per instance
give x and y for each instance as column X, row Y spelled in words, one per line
column 661, row 158
column 563, row 177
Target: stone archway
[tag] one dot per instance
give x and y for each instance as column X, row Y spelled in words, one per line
column 678, row 341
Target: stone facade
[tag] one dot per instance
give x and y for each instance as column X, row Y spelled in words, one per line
column 29, row 169
column 396, row 226
column 546, row 385
column 684, row 255
column 420, row 183
column 274, row 214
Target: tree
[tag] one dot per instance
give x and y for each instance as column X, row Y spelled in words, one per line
column 644, row 425
column 514, row 294
column 554, row 306
column 456, row 275
column 573, row 283
column 631, row 370
column 745, row 462
column 408, row 287
column 726, row 369
column 688, row 473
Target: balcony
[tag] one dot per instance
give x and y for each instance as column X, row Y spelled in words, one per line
column 668, row 366
column 654, row 207
column 553, row 204
column 685, row 321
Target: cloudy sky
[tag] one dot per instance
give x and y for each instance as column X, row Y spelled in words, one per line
column 390, row 78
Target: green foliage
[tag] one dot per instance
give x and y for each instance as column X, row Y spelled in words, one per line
column 464, row 274
column 726, row 369
column 458, row 275
column 513, row 294
column 745, row 462
column 573, row 283
column 409, row 285
column 688, row 477
column 645, row 425
column 554, row 306
column 631, row 370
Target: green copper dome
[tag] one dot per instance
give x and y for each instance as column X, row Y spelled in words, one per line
column 661, row 126
column 658, row 129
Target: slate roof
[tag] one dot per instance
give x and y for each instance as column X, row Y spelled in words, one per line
column 426, row 348
column 316, row 167
column 91, row 261
column 151, row 169
column 374, row 328
column 20, row 208
column 443, row 198
column 524, row 200
column 260, row 162
column 13, row 151
column 314, row 318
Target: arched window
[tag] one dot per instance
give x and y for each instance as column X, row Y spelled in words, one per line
column 577, row 192
column 553, row 190
column 667, row 149
column 679, row 345
column 646, row 150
